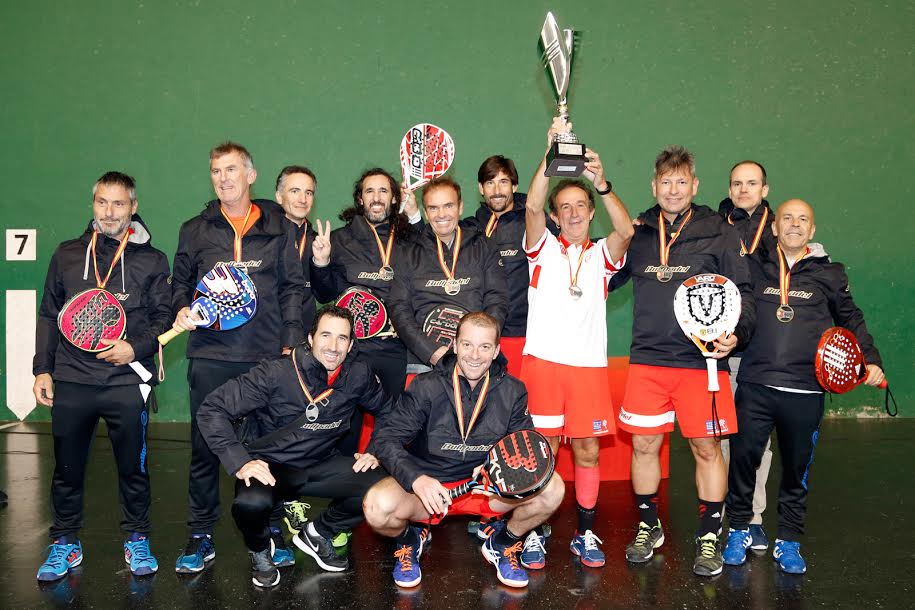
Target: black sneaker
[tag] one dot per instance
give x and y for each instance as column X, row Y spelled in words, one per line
column 708, row 556
column 320, row 548
column 647, row 539
column 263, row 572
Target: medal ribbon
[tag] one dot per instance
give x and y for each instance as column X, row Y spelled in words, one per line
column 455, row 251
column 491, row 225
column 784, row 273
column 573, row 279
column 662, row 235
column 459, row 405
column 311, row 400
column 302, row 242
column 99, row 282
column 236, row 249
column 757, row 237
column 385, row 251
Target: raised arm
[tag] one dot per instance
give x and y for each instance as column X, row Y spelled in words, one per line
column 535, row 215
column 619, row 238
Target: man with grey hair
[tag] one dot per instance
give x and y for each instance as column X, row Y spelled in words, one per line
column 254, row 236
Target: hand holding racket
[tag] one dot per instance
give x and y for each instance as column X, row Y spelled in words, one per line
column 840, row 365
column 426, row 152
column 518, row 466
column 708, row 306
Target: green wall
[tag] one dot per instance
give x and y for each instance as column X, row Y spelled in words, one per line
column 820, row 92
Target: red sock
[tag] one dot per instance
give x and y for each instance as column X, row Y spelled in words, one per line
column 587, row 484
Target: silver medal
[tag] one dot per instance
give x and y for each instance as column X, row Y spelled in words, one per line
column 452, row 286
column 575, row 292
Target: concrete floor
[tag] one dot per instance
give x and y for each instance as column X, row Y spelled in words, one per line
column 859, row 546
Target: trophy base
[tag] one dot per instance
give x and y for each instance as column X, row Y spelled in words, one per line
column 565, row 159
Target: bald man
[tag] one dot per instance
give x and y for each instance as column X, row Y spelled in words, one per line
column 777, row 386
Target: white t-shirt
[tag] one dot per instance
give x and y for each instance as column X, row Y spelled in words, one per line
column 561, row 328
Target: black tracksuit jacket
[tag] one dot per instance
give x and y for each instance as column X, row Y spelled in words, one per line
column 421, row 434
column 139, row 281
column 270, row 394
column 783, row 354
column 708, row 244
column 309, row 304
column 479, row 269
column 269, row 249
column 746, row 225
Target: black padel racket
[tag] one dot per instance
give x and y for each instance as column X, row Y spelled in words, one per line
column 518, row 466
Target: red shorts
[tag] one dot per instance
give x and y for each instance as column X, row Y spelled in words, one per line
column 572, row 401
column 468, row 504
column 657, row 395
column 511, row 348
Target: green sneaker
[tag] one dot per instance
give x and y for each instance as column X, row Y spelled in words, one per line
column 295, row 516
column 342, row 539
column 708, row 556
column 647, row 539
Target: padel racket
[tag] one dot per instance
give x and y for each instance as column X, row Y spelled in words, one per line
column 426, row 152
column 707, row 306
column 369, row 313
column 518, row 466
column 441, row 324
column 89, row 317
column 840, row 365
column 224, row 299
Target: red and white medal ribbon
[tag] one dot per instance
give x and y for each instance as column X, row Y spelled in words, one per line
column 491, row 225
column 756, row 238
column 99, row 282
column 785, row 313
column 459, row 404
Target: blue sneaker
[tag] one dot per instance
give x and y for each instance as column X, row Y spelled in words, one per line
column 507, row 562
column 489, row 527
column 533, row 554
column 62, row 555
column 199, row 550
column 281, row 554
column 735, row 549
column 788, row 556
column 585, row 546
column 138, row 556
column 760, row 542
column 407, row 572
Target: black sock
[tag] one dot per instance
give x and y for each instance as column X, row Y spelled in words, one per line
column 648, row 508
column 407, row 537
column 709, row 517
column 505, row 537
column 585, row 518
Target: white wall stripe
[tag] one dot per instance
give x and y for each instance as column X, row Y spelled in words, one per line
column 20, row 349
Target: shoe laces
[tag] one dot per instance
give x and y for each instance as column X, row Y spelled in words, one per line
column 56, row 556
column 511, row 553
column 641, row 537
column 140, row 550
column 298, row 509
column 405, row 555
column 707, row 545
column 590, row 540
column 533, row 542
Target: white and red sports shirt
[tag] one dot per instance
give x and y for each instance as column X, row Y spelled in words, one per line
column 560, row 328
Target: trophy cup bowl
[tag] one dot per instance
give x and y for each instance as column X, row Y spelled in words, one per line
column 566, row 156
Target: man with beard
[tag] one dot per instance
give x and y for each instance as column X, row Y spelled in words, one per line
column 113, row 384
column 500, row 217
column 303, row 405
column 255, row 237
column 799, row 294
column 668, row 379
column 747, row 210
column 445, row 267
column 428, row 451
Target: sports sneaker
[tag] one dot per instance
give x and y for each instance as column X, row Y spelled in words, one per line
column 199, row 550
column 139, row 557
column 585, row 546
column 473, row 528
column 708, row 557
column 489, row 527
column 263, row 569
column 533, row 554
column 760, row 542
column 62, row 555
column 342, row 539
column 281, row 554
column 647, row 539
column 407, row 572
column 320, row 548
column 506, row 560
column 295, row 516
column 735, row 549
column 788, row 556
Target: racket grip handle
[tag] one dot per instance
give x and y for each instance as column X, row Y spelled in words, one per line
column 460, row 490
column 712, row 365
column 168, row 335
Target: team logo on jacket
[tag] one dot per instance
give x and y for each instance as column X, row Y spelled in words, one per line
column 122, row 296
column 242, row 264
column 672, row 269
column 462, row 448
column 508, row 253
column 798, row 294
column 463, row 281
column 317, row 426
column 375, row 275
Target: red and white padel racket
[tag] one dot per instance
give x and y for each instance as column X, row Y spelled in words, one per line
column 426, row 152
column 707, row 306
column 224, row 299
column 441, row 324
column 369, row 313
column 89, row 317
column 840, row 366
column 518, row 466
